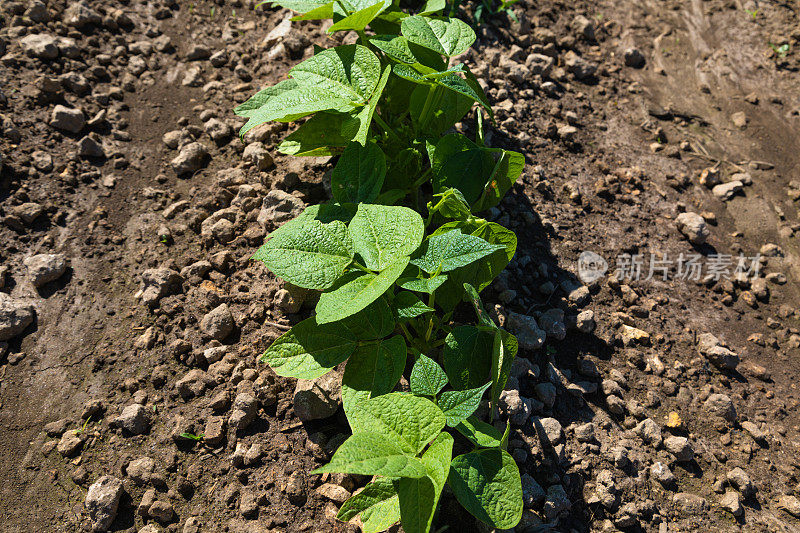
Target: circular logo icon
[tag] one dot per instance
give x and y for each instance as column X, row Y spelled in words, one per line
column 591, row 267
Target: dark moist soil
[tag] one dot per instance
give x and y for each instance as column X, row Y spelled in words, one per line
column 641, row 97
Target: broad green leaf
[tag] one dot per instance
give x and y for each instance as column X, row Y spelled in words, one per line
column 406, row 169
column 395, row 47
column 371, row 453
column 432, row 6
column 322, row 12
column 506, row 172
column 410, row 421
column 358, row 175
column 480, row 433
column 451, row 250
column 457, row 405
column 408, row 306
column 426, row 285
column 309, row 349
column 450, row 203
column 373, row 322
column 459, row 163
column 382, row 234
column 308, row 254
column 427, row 377
column 358, row 20
column 356, row 290
column 504, row 350
column 456, row 83
column 374, row 369
column 450, row 108
column 419, row 497
column 248, row 108
column 408, row 73
column 296, row 103
column 326, row 213
column 390, row 197
column 487, row 483
column 377, row 504
column 350, row 72
column 467, row 357
column 324, row 134
column 363, row 120
column 449, row 37
column 301, row 6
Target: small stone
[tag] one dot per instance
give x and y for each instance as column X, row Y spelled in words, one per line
column 102, row 502
column 550, row 429
column 726, row 191
column 680, row 447
column 190, row 159
column 789, row 504
column 161, row 511
column 40, row 46
column 70, row 444
column 661, row 473
column 319, row 398
column 139, row 470
column 248, row 504
column 333, row 492
column 739, row 119
column 88, row 147
column 198, row 52
column 279, row 207
column 634, row 58
column 79, row 15
column 694, row 227
column 585, row 432
column 557, row 502
column 532, row 492
column 712, row 349
column 219, row 131
column 296, row 488
column 649, row 431
column 193, row 384
column 515, row 406
column 721, row 405
column 44, row 268
column 756, row 432
column 528, row 332
column 15, row 316
column 690, row 503
column 741, row 481
column 157, row 283
column 731, row 503
column 135, row 419
column 214, row 434
column 585, row 321
column 67, row 119
column 218, row 323
column 257, row 154
column 244, row 411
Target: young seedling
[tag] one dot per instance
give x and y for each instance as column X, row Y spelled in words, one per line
column 400, row 245
column 192, row 436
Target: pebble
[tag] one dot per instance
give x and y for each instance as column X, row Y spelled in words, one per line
column 634, row 58
column 690, row 503
column 157, row 283
column 721, row 405
column 318, row 398
column 40, row 46
column 102, row 502
column 71, row 442
column 789, row 504
column 585, row 432
column 661, row 473
column 680, row 447
column 756, row 432
column 139, row 470
column 557, row 502
column 649, row 431
column 517, row 408
column 731, row 502
column 333, row 492
column 244, row 411
column 258, row 155
column 726, row 191
column 67, row 119
column 279, row 207
column 549, row 429
column 15, row 316
column 528, row 332
column 135, row 419
column 718, row 355
column 693, row 226
column 190, row 159
column 739, row 479
column 218, row 323
column 585, row 322
column 532, row 492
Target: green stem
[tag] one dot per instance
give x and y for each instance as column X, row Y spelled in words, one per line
column 423, row 116
column 388, row 129
column 359, row 266
column 407, row 333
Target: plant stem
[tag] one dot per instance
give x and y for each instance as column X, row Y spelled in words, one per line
column 388, row 129
column 361, row 267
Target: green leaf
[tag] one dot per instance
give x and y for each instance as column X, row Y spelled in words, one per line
column 364, row 118
column 451, row 108
column 449, row 37
column 356, row 290
column 375, row 321
column 382, row 234
column 308, row 254
column 451, row 204
column 506, row 172
column 370, row 453
column 419, row 497
column 248, row 108
column 451, row 250
column 427, row 285
column 295, row 103
column 473, row 297
column 324, row 134
column 377, row 504
column 359, row 173
column 301, row 6
column 459, row 163
column 457, row 405
column 487, row 483
column 408, row 306
column 467, row 357
column 410, row 421
column 358, row 20
column 322, row 12
column 480, row 433
column 504, row 350
column 374, row 369
column 350, row 72
column 309, row 349
column 395, row 47
column 427, row 377
column 456, row 83
column 432, row 6
column 408, row 73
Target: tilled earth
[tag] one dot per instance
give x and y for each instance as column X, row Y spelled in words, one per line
column 131, row 318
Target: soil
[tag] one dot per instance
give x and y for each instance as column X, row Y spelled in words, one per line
column 645, row 103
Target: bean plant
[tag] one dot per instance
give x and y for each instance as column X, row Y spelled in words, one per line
column 400, row 245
